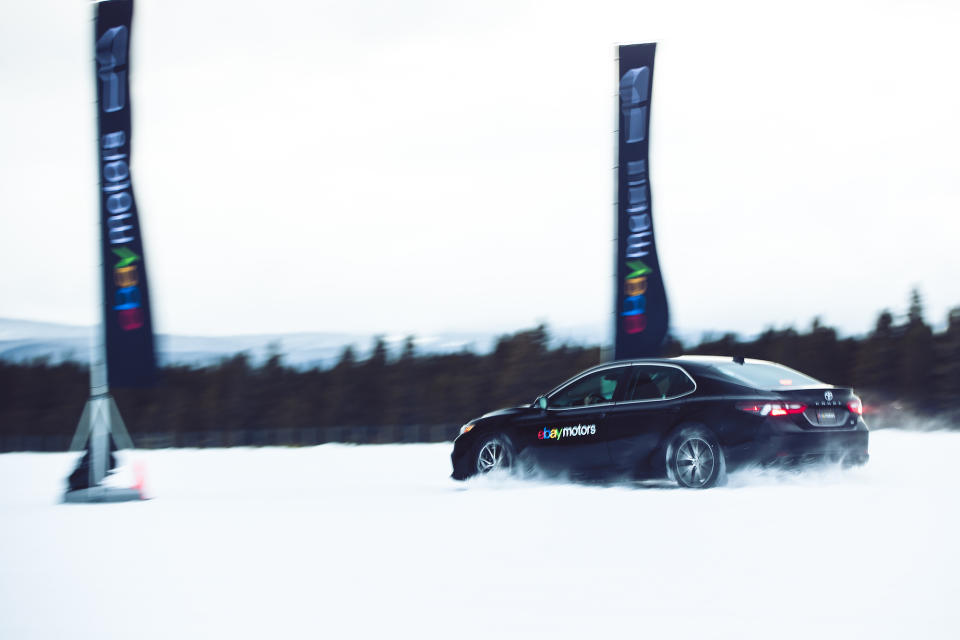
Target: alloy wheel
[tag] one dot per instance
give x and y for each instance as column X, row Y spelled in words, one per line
column 695, row 462
column 492, row 455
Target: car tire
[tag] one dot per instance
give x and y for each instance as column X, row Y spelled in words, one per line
column 695, row 459
column 492, row 453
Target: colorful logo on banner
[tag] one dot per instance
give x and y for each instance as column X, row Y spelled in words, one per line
column 127, row 302
column 634, row 302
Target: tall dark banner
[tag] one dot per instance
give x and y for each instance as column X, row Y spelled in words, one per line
column 131, row 360
column 642, row 317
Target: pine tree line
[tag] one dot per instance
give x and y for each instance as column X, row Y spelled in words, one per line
column 903, row 362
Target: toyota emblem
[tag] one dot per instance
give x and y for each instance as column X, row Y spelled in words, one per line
column 828, row 396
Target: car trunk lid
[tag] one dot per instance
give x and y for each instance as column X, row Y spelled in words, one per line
column 826, row 407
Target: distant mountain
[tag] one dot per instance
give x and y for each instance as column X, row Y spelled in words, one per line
column 23, row 340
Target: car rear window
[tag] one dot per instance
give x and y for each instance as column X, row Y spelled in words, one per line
column 765, row 375
column 657, row 382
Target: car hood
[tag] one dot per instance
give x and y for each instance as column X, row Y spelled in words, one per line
column 500, row 413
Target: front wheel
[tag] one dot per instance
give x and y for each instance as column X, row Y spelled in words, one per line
column 695, row 459
column 492, row 453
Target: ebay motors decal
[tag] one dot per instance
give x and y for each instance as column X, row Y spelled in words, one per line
column 564, row 432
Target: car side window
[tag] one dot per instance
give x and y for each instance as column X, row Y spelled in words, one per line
column 595, row 388
column 652, row 382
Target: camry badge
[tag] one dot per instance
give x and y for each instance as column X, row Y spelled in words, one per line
column 828, row 395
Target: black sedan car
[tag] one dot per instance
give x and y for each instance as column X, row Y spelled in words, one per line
column 689, row 419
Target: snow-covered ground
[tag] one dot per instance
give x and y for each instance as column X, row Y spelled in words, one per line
column 344, row 541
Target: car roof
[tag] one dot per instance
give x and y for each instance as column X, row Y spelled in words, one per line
column 673, row 360
column 693, row 362
column 686, row 359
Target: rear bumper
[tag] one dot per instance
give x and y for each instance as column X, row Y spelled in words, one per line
column 796, row 447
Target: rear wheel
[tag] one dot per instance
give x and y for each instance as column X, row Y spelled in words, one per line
column 492, row 453
column 695, row 459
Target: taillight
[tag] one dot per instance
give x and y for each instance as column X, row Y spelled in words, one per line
column 855, row 406
column 772, row 408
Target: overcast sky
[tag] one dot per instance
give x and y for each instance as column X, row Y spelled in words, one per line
column 421, row 166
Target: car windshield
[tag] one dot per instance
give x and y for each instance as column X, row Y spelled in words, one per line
column 765, row 375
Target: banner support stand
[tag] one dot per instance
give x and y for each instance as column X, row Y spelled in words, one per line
column 99, row 422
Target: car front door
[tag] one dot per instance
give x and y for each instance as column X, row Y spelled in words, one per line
column 571, row 433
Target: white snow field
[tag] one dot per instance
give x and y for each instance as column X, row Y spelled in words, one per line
column 340, row 541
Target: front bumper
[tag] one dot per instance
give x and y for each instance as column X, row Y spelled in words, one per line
column 459, row 460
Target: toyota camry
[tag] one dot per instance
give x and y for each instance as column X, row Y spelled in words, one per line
column 690, row 419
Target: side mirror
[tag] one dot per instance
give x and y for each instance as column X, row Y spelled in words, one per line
column 542, row 402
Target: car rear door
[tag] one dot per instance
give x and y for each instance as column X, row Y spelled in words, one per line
column 652, row 400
